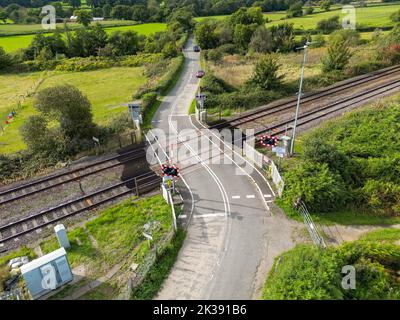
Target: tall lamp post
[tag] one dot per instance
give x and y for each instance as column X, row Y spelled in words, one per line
column 299, row 95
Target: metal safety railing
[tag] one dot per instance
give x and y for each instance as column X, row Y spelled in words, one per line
column 311, row 226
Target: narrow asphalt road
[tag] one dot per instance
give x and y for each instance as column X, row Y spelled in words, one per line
column 227, row 206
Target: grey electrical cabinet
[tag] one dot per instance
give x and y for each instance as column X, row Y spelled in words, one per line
column 47, row 273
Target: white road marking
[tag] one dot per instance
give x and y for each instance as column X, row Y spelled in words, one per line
column 250, row 196
column 183, row 180
column 246, row 173
column 235, row 197
column 267, row 195
column 210, row 215
column 258, row 171
column 269, row 201
column 182, row 216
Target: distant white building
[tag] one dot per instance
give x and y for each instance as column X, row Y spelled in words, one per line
column 74, row 18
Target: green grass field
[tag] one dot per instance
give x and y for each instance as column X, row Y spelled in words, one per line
column 12, row 43
column 23, row 29
column 106, row 89
column 374, row 16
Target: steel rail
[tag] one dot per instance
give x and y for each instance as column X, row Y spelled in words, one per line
column 153, row 182
column 137, row 154
column 262, row 112
column 340, row 105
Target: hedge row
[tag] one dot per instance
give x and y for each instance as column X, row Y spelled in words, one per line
column 149, row 93
column 167, row 81
column 89, row 63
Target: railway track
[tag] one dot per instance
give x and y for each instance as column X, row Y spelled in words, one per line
column 313, row 115
column 49, row 182
column 307, row 98
column 20, row 230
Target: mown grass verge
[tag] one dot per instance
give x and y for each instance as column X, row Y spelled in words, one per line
column 151, row 111
column 384, row 235
column 192, row 108
column 153, row 281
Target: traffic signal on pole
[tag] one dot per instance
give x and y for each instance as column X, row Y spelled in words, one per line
column 269, row 141
column 169, row 170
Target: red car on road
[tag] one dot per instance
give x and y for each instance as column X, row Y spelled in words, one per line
column 200, row 74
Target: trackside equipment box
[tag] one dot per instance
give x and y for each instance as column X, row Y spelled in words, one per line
column 47, row 273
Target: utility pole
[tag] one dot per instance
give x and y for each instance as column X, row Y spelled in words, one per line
column 299, row 94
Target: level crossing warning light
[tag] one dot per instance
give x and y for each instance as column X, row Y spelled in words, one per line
column 269, row 141
column 169, row 170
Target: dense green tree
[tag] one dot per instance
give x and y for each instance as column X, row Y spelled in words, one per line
column 86, row 42
column 70, row 108
column 169, row 50
column 224, row 33
column 184, row 17
column 55, row 43
column 328, row 25
column 317, row 150
column 255, row 15
column 35, row 133
column 74, row 3
column 12, row 7
column 242, row 35
column 18, row 15
column 337, row 56
column 83, row 17
column 283, row 37
column 245, row 16
column 139, row 13
column 97, row 12
column 3, row 15
column 121, row 12
column 295, row 10
column 309, row 10
column 124, row 43
column 155, row 43
column 205, row 34
column 265, row 72
column 321, row 189
column 326, row 5
column 5, row 59
column 261, row 41
column 107, row 11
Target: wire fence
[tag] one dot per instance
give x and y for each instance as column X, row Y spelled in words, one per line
column 114, row 142
column 148, row 262
column 5, row 119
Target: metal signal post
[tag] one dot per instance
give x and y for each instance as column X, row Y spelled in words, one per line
column 299, row 95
